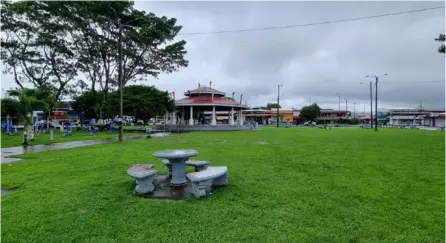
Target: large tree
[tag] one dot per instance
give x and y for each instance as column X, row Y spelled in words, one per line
column 50, row 43
column 90, row 104
column 441, row 38
column 36, row 48
column 311, row 112
column 142, row 102
column 101, row 29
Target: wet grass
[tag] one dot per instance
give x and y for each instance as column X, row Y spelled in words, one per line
column 285, row 185
column 16, row 140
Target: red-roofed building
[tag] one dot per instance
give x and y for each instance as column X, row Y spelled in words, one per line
column 333, row 117
column 202, row 104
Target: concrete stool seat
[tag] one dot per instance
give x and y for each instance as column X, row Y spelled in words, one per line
column 203, row 181
column 168, row 167
column 198, row 164
column 143, row 174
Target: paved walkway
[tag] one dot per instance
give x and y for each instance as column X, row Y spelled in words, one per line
column 57, row 146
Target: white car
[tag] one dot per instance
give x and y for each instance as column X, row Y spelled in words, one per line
column 310, row 123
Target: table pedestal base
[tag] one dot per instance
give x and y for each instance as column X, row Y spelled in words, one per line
column 178, row 172
column 164, row 190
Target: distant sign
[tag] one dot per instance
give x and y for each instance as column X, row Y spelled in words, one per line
column 60, row 114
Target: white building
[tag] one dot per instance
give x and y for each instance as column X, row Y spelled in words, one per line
column 432, row 118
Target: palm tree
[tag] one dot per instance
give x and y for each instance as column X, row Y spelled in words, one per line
column 28, row 102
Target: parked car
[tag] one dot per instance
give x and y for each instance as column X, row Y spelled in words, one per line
column 309, row 123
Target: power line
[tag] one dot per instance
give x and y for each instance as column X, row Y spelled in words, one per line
column 312, row 24
column 433, row 81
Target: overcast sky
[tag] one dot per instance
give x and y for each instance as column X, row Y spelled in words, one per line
column 315, row 61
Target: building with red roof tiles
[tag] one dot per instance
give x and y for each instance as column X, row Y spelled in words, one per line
column 201, row 105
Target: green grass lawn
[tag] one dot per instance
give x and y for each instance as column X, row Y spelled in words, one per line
column 16, row 140
column 285, row 185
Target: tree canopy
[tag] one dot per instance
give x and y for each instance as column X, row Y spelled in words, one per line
column 311, row 112
column 142, row 102
column 53, row 44
column 270, row 106
column 10, row 107
column 441, row 38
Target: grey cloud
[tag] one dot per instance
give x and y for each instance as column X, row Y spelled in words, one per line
column 314, row 61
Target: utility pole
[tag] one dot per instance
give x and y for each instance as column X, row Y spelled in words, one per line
column 354, row 110
column 339, row 98
column 346, row 110
column 376, row 103
column 278, row 103
column 376, row 97
column 346, row 106
column 421, row 107
column 371, row 105
column 120, row 82
column 120, row 136
column 339, row 107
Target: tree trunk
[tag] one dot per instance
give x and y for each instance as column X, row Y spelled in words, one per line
column 31, row 133
column 102, row 111
column 25, row 139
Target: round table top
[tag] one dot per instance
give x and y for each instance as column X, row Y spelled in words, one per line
column 175, row 153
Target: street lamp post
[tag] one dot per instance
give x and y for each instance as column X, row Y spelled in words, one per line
column 278, row 103
column 371, row 105
column 120, row 132
column 376, row 97
column 339, row 98
column 120, row 81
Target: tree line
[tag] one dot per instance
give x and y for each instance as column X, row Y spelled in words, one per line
column 83, row 49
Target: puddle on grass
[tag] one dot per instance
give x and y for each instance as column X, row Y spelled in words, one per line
column 262, row 143
column 6, row 191
column 267, row 142
column 5, row 160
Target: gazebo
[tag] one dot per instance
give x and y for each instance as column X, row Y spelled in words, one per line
column 207, row 106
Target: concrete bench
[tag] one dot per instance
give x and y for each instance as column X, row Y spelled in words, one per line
column 199, row 165
column 203, row 181
column 143, row 174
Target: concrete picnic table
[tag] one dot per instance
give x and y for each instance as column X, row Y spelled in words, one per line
column 177, row 158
